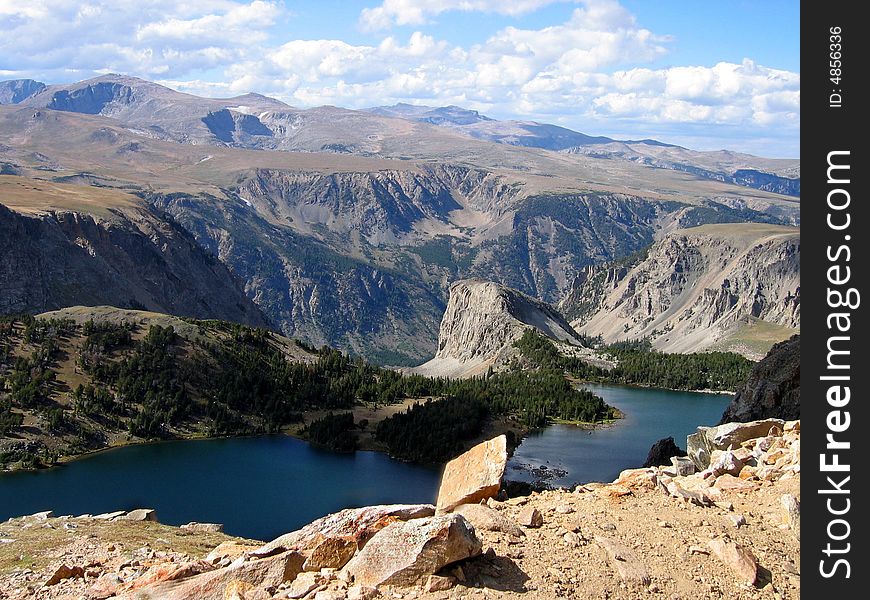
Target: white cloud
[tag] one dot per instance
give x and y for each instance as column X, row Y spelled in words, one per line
column 418, row 12
column 156, row 37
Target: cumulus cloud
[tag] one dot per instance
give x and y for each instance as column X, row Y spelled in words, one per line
column 591, row 72
column 418, row 12
column 158, row 37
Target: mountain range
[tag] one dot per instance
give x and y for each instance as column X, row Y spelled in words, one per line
column 336, row 226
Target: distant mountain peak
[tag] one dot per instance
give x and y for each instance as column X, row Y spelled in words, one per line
column 15, row 91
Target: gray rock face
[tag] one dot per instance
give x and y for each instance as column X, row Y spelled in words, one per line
column 134, row 259
column 773, row 388
column 18, row 90
column 483, row 320
column 696, row 289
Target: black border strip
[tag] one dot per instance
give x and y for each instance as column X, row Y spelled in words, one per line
column 832, row 121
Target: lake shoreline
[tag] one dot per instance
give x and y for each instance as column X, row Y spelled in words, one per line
column 373, row 414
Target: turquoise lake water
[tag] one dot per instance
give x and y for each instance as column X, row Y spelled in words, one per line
column 600, row 454
column 261, row 487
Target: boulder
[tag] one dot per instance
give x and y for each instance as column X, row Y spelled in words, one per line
column 359, row 523
column 439, row 583
column 662, row 451
column 65, row 572
column 141, row 514
column 302, row 585
column 701, row 444
column 166, row 572
column 473, row 476
column 271, row 571
column 624, row 561
column 407, row 551
column 331, row 553
column 204, row 527
column 682, row 466
column 725, row 462
column 109, row 515
column 737, row 558
column 636, row 478
column 530, row 517
column 483, row 517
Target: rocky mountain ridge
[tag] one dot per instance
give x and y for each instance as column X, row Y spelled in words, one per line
column 481, row 323
column 256, row 121
column 780, row 176
column 717, row 286
column 351, row 237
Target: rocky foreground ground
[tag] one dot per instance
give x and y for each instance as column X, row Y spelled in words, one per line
column 729, row 530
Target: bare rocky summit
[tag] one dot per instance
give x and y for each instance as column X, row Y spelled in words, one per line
column 482, row 321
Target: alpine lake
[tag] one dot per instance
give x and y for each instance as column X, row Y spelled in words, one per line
column 261, row 487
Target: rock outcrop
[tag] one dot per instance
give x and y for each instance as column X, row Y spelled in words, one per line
column 773, row 388
column 732, row 287
column 473, row 476
column 702, row 444
column 662, row 452
column 405, row 552
column 482, row 321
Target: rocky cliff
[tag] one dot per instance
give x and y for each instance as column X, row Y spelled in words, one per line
column 482, row 321
column 129, row 258
column 773, row 389
column 734, row 287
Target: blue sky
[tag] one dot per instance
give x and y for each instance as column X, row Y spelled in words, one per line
column 707, row 75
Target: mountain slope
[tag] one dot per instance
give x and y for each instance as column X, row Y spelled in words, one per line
column 353, row 237
column 730, row 286
column 481, row 323
column 83, row 378
column 773, row 175
column 60, row 250
column 402, row 131
column 470, row 122
column 17, row 90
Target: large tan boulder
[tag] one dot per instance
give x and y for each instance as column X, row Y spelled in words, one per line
column 473, row 476
column 357, row 523
column 404, row 553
